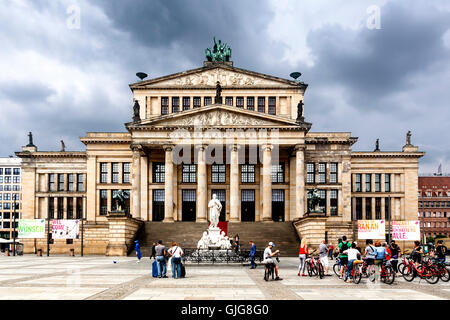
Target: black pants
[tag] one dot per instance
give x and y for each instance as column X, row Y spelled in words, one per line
column 394, row 264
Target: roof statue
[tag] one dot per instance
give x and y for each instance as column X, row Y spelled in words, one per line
column 220, row 52
column 377, row 145
column 63, row 146
column 218, row 98
column 408, row 138
column 30, row 140
column 136, row 112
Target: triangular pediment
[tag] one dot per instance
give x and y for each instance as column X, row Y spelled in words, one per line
column 228, row 76
column 217, row 116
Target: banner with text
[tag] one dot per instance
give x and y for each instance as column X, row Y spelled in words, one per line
column 31, row 229
column 371, row 229
column 66, row 229
column 406, row 230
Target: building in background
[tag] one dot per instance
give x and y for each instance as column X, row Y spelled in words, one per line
column 10, row 195
column 434, row 201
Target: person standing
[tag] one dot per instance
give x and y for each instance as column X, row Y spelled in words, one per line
column 252, row 255
column 161, row 252
column 176, row 252
column 441, row 251
column 330, row 251
column 343, row 246
column 323, row 255
column 137, row 248
column 302, row 254
column 236, row 241
column 153, row 251
column 395, row 252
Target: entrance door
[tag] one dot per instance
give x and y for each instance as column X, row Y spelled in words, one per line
column 158, row 205
column 278, row 205
column 248, row 205
column 221, row 196
column 189, row 205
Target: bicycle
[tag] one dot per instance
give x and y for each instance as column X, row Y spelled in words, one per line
column 444, row 274
column 387, row 274
column 337, row 267
column 311, row 266
column 355, row 272
column 423, row 271
column 269, row 270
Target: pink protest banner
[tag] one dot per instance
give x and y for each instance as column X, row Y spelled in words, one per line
column 406, row 230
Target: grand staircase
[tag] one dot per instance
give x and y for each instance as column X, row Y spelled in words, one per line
column 187, row 234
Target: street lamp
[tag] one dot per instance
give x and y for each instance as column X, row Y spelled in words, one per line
column 14, row 226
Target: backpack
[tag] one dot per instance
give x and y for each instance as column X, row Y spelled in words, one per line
column 345, row 246
column 371, row 255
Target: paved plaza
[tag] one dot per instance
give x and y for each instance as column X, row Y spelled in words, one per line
column 99, row 278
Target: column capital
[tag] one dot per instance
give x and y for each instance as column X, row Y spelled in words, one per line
column 267, row 147
column 299, row 147
column 168, row 147
column 137, row 148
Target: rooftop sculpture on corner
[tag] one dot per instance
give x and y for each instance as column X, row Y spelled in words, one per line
column 136, row 112
column 30, row 140
column 220, row 52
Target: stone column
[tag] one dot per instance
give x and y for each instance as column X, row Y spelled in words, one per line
column 168, row 185
column 90, row 188
column 299, row 181
column 201, row 186
column 136, row 181
column 234, row 184
column 144, row 188
column 267, row 182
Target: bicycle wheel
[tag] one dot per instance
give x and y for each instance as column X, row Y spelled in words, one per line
column 408, row 273
column 388, row 275
column 371, row 273
column 308, row 268
column 266, row 274
column 321, row 271
column 444, row 274
column 400, row 267
column 337, row 269
column 356, row 274
column 431, row 275
column 344, row 275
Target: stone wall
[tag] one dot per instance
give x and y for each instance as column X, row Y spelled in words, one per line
column 122, row 231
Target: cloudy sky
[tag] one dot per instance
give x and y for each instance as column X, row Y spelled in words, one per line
column 65, row 66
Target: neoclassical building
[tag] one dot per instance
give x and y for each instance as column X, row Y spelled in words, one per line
column 223, row 130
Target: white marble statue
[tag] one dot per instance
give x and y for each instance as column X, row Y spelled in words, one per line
column 204, row 241
column 214, row 211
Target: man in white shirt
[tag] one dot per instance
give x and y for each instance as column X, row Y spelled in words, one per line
column 268, row 254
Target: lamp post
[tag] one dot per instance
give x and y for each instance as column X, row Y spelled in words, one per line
column 423, row 219
column 82, row 223
column 14, row 226
column 389, row 219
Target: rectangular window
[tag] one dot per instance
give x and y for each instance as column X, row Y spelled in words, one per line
column 240, row 102
column 248, row 173
column 250, row 103
column 186, row 103
column 79, row 208
column 7, row 171
column 164, row 105
column 7, row 179
column 189, row 173
column 60, row 208
column 16, row 171
column 61, row 182
column 368, row 182
column 323, row 200
column 333, row 172
column 80, row 180
column 334, row 202
column 272, row 106
column 158, row 195
column 197, row 102
column 103, row 202
column 175, row 104
column 387, row 182
column 278, row 173
column 229, row 101
column 7, row 196
column 368, row 208
column 262, row 104
column 207, row 101
column 115, row 172
column 1, row 171
column 310, row 172
column 218, row 173
column 126, row 172
column 70, row 181
column 51, row 207
column 377, row 182
column 16, row 179
column 158, row 172
column 70, row 208
column 386, row 207
column 51, row 182
column 322, row 170
column 378, row 208
column 103, row 172
column 358, row 208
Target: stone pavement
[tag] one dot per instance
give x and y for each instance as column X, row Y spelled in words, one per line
column 99, row 278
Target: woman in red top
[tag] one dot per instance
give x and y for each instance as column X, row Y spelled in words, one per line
column 302, row 254
column 388, row 254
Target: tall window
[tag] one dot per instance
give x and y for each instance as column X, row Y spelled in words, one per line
column 377, row 182
column 16, row 171
column 186, row 103
column 51, row 182
column 358, row 182
column 60, row 182
column 323, row 200
column 7, row 171
column 261, row 104
column 164, row 105
column 333, row 202
column 103, row 202
column 218, row 173
column 126, row 172
column 278, row 173
column 70, row 208
column 79, row 208
column 158, row 172
column 272, row 105
column 207, row 101
column 115, row 172
column 358, row 208
column 70, row 182
column 310, row 170
column 387, row 182
column 80, row 180
column 51, row 207
column 229, row 101
column 197, row 102
column 240, row 102
column 103, row 172
column 378, row 208
column 175, row 104
column 387, row 207
column 333, row 172
column 322, row 172
column 16, row 179
column 189, row 173
column 250, row 103
column 368, row 208
column 368, row 183
column 60, row 208
column 248, row 173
